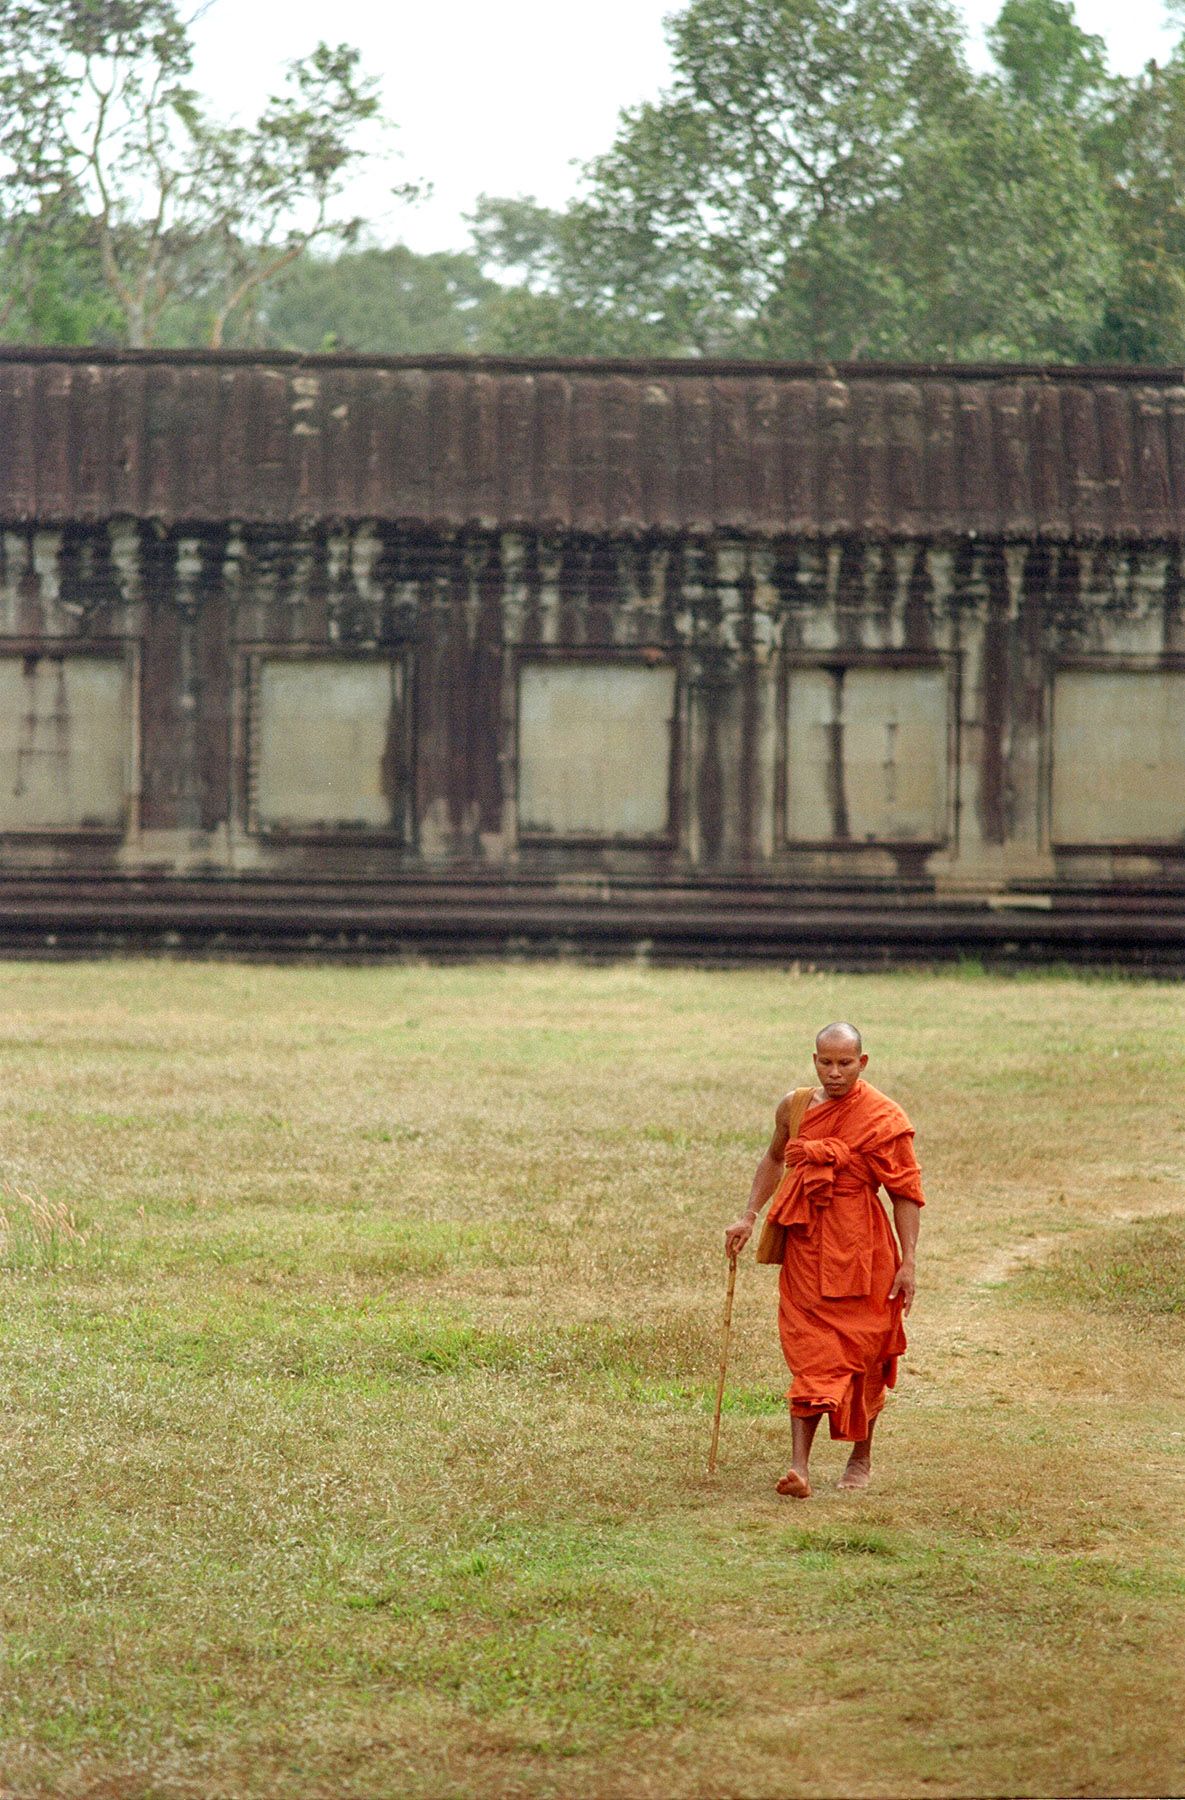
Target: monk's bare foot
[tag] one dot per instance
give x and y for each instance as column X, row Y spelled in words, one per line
column 857, row 1475
column 795, row 1486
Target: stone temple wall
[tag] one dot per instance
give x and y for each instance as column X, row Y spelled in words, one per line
column 378, row 732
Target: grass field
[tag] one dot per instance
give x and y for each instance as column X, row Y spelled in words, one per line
column 360, row 1329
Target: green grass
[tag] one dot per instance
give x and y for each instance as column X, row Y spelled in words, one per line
column 1136, row 1271
column 360, row 1338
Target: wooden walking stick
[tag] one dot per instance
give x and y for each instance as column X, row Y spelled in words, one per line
column 732, row 1281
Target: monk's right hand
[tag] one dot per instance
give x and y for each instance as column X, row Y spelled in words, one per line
column 737, row 1236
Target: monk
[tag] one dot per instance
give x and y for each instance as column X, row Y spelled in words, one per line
column 846, row 1285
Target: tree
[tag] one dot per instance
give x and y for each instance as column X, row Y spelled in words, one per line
column 51, row 283
column 1048, row 61
column 785, row 117
column 98, row 122
column 998, row 245
column 391, row 302
column 1143, row 154
column 549, row 300
column 827, row 179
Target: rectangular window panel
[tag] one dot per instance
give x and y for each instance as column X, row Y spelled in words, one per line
column 1119, row 756
column 65, row 742
column 328, row 745
column 867, row 755
column 594, row 749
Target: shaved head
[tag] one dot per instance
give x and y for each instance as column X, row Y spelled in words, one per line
column 839, row 1060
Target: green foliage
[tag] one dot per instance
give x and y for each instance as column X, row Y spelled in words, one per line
column 1046, row 58
column 391, row 302
column 823, row 179
column 996, row 246
column 1136, row 1270
column 1143, row 154
column 102, row 136
column 51, row 283
column 534, row 310
column 833, row 181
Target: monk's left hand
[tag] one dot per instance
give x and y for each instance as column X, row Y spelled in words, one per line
column 904, row 1283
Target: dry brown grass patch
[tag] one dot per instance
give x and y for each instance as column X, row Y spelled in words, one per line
column 359, row 1372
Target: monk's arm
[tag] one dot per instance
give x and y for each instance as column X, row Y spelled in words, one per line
column 765, row 1180
column 906, row 1221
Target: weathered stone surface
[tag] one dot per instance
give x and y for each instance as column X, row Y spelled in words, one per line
column 655, row 729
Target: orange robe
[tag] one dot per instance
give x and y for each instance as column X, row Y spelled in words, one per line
column 840, row 1334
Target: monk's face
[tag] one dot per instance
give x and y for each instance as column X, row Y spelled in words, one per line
column 839, row 1065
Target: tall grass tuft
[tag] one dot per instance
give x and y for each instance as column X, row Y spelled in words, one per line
column 36, row 1232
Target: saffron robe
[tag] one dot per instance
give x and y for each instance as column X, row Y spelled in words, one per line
column 840, row 1333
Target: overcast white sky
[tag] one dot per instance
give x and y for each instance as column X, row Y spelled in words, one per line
column 504, row 96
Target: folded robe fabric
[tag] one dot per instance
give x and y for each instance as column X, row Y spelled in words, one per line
column 840, row 1335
